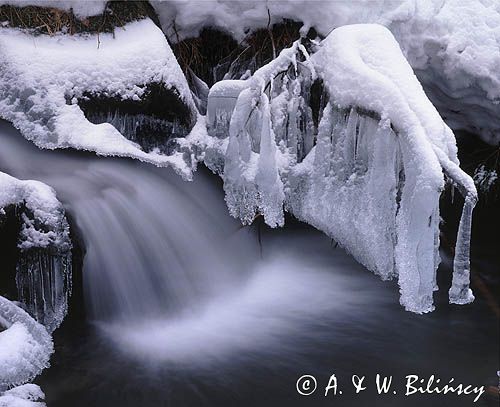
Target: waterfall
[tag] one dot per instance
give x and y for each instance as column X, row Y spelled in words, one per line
column 154, row 244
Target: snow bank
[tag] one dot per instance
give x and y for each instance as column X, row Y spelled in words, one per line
column 25, row 346
column 43, row 274
column 80, row 8
column 453, row 45
column 42, row 78
column 27, row 395
column 369, row 175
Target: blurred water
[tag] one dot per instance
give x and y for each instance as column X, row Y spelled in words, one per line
column 187, row 310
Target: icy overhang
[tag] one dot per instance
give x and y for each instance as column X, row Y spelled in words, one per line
column 42, row 78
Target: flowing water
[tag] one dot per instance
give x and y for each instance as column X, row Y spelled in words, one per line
column 187, row 308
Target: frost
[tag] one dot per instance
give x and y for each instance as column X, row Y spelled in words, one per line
column 371, row 172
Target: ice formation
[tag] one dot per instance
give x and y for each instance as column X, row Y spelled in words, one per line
column 25, row 346
column 363, row 162
column 451, row 44
column 43, row 275
column 43, row 78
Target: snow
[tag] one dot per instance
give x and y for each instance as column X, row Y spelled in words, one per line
column 42, row 77
column 49, row 227
column 453, row 45
column 25, row 346
column 373, row 179
column 80, row 8
column 27, row 395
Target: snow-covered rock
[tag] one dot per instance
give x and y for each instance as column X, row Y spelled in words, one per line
column 369, row 175
column 43, row 274
column 453, row 45
column 43, row 77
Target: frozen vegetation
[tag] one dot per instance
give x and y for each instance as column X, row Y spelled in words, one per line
column 370, row 176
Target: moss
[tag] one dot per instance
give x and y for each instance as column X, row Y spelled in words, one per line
column 50, row 20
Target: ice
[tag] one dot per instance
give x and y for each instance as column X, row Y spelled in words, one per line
column 43, row 77
column 267, row 179
column 43, row 271
column 25, row 346
column 44, row 283
column 369, row 175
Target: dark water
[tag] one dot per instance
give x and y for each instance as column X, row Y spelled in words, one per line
column 251, row 320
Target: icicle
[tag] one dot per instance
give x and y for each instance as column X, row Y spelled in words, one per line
column 148, row 131
column 44, row 285
column 239, row 169
column 460, row 293
column 269, row 184
column 350, row 142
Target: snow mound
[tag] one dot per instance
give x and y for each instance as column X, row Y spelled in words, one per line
column 42, row 79
column 27, row 395
column 25, row 346
column 43, row 271
column 453, row 45
column 363, row 162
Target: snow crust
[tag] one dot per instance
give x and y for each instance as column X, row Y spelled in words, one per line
column 25, row 346
column 370, row 175
column 453, row 45
column 42, row 77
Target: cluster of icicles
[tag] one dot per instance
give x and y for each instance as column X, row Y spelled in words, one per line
column 342, row 169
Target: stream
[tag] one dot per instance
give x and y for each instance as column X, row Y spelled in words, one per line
column 185, row 307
